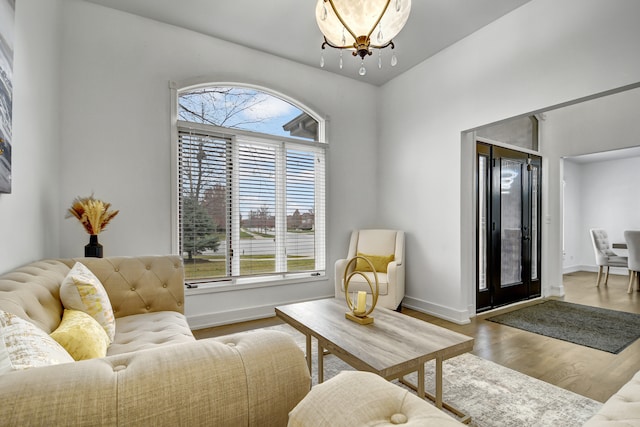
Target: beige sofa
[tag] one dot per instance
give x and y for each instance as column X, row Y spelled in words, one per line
column 155, row 372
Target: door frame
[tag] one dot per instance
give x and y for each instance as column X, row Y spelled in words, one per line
column 494, row 294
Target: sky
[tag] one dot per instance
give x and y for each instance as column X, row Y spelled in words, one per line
column 257, row 111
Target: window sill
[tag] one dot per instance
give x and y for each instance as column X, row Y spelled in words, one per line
column 251, row 283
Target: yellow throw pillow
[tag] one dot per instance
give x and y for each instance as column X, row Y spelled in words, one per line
column 23, row 345
column 379, row 262
column 82, row 290
column 81, row 335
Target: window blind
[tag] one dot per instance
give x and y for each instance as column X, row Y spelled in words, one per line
column 249, row 205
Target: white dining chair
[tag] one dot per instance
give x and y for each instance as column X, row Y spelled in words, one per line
column 605, row 256
column 632, row 237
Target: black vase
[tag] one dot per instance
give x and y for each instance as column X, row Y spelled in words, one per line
column 93, row 249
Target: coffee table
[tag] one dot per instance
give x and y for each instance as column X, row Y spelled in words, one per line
column 392, row 346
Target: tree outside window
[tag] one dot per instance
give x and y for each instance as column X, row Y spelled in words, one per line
column 251, row 177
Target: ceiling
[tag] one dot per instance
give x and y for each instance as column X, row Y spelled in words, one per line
column 287, row 28
column 623, row 153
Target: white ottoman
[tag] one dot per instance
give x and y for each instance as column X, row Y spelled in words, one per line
column 354, row 398
column 622, row 409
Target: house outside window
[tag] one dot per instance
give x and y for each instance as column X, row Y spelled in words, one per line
column 251, row 186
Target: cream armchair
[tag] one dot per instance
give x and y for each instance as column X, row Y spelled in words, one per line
column 387, row 247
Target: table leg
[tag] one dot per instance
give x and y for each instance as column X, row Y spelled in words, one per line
column 320, row 364
column 420, row 390
column 437, row 398
column 309, row 353
column 438, row 382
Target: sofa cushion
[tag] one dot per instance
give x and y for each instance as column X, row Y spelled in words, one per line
column 81, row 290
column 142, row 331
column 23, row 345
column 81, row 335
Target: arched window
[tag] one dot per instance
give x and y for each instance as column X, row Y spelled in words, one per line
column 251, row 185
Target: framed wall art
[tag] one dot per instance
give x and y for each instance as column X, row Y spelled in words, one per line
column 7, row 12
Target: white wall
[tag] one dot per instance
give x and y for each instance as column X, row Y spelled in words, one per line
column 31, row 213
column 116, row 70
column 597, row 194
column 101, row 104
column 610, row 201
column 572, row 214
column 544, row 53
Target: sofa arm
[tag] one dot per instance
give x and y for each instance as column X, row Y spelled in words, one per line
column 395, row 276
column 251, row 379
column 340, row 267
column 138, row 285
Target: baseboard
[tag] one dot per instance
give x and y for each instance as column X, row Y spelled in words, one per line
column 594, row 269
column 572, row 269
column 555, row 291
column 202, row 321
column 460, row 317
column 210, row 320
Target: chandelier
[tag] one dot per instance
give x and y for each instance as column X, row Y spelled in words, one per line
column 361, row 25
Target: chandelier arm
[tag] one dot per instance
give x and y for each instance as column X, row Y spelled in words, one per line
column 328, row 43
column 342, row 20
column 386, row 6
column 375, row 46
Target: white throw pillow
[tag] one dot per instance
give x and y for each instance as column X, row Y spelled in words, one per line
column 23, row 345
column 81, row 290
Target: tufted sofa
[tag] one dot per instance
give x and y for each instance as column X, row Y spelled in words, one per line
column 155, row 372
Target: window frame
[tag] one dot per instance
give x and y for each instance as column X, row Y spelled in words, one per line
column 246, row 282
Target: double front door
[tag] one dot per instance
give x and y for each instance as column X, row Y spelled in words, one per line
column 508, row 224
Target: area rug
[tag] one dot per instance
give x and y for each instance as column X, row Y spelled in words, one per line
column 494, row 396
column 599, row 328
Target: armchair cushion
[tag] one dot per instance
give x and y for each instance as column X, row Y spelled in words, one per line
column 376, row 241
column 379, row 262
column 359, row 283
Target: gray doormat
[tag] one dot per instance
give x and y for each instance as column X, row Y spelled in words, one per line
column 607, row 330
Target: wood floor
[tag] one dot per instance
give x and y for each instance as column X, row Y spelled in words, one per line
column 592, row 373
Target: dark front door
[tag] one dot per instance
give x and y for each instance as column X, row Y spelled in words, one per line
column 508, row 224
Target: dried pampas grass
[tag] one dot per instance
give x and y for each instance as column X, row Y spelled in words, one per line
column 93, row 214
